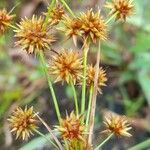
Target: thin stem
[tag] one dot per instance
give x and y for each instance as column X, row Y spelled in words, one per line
column 85, row 51
column 50, row 131
column 94, row 96
column 49, row 140
column 113, row 16
column 68, row 8
column 66, row 144
column 50, row 7
column 89, row 106
column 42, row 59
column 10, row 25
column 75, row 97
column 142, row 145
column 106, row 140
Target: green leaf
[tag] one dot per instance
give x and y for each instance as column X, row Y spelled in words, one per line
column 35, row 144
column 141, row 43
column 144, row 81
column 140, row 62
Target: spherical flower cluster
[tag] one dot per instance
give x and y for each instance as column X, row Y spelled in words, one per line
column 33, row 35
column 5, row 20
column 117, row 125
column 122, row 8
column 71, row 128
column 91, row 71
column 66, row 66
column 23, row 122
column 55, row 15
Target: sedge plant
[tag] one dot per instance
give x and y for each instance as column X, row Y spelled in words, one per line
column 34, row 35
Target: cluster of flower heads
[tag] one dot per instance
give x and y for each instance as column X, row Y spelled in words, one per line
column 88, row 25
column 35, row 35
column 5, row 20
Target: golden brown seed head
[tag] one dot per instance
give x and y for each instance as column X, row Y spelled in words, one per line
column 56, row 15
column 71, row 28
column 71, row 128
column 33, row 35
column 122, row 8
column 93, row 26
column 91, row 76
column 5, row 19
column 117, row 125
column 23, row 122
column 66, row 66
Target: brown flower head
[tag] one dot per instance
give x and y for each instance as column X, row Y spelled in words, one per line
column 56, row 15
column 23, row 122
column 122, row 8
column 33, row 35
column 71, row 28
column 91, row 75
column 5, row 19
column 71, row 128
column 93, row 26
column 117, row 125
column 66, row 66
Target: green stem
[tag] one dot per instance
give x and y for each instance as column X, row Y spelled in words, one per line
column 89, row 106
column 68, row 8
column 86, row 48
column 141, row 146
column 49, row 140
column 106, row 140
column 10, row 25
column 113, row 16
column 42, row 59
column 50, row 7
column 66, row 144
column 75, row 98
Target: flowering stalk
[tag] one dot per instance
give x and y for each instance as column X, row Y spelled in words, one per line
column 89, row 106
column 41, row 134
column 68, row 8
column 104, row 142
column 85, row 51
column 93, row 107
column 75, row 97
column 113, row 16
column 50, row 131
column 10, row 25
column 140, row 146
column 42, row 59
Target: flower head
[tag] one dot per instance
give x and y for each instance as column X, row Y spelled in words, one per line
column 71, row 27
column 91, row 76
column 22, row 122
column 5, row 19
column 71, row 128
column 122, row 8
column 66, row 66
column 56, row 15
column 93, row 26
column 117, row 125
column 33, row 35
